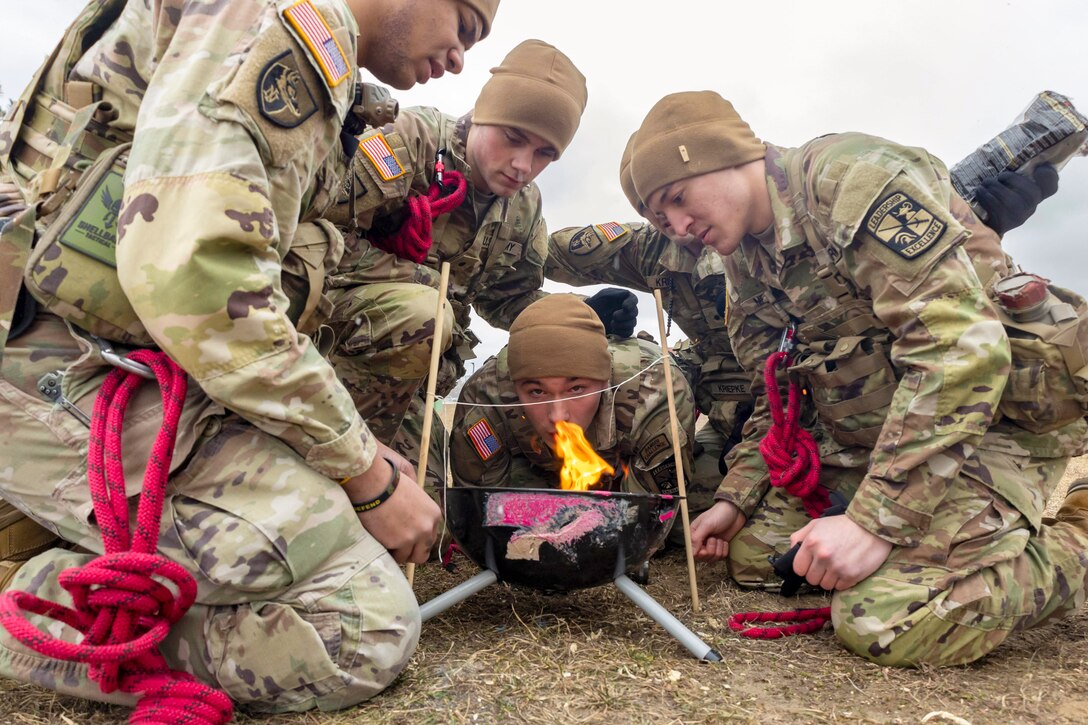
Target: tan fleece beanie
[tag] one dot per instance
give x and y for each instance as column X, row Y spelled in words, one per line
column 690, row 134
column 486, row 9
column 535, row 89
column 558, row 336
column 626, row 182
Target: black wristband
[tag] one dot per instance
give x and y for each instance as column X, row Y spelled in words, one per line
column 364, row 506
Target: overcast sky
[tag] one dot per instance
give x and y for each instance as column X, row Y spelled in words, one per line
column 942, row 74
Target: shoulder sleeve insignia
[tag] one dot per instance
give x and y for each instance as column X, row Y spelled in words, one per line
column 315, row 32
column 282, row 94
column 483, row 439
column 903, row 225
column 651, row 450
column 377, row 149
column 584, row 242
column 612, row 230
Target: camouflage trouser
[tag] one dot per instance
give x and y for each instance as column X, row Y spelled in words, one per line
column 384, row 333
column 297, row 607
column 983, row 570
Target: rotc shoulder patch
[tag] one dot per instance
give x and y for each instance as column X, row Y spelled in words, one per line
column 584, row 241
column 282, row 95
column 316, row 34
column 483, row 439
column 612, row 230
column 903, row 225
column 385, row 162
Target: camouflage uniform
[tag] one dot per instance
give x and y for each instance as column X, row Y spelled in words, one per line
column 905, row 360
column 383, row 321
column 639, row 257
column 630, row 431
column 234, row 124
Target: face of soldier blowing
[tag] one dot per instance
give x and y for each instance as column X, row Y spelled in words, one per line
column 417, row 40
column 504, row 158
column 717, row 209
column 574, row 400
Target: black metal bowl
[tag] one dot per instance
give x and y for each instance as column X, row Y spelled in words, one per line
column 554, row 540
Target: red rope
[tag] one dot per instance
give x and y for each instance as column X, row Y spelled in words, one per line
column 790, row 451
column 121, row 608
column 804, row 621
column 413, row 240
column 793, row 462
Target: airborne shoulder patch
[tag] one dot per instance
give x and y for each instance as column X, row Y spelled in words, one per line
column 316, row 34
column 483, row 439
column 612, row 230
column 282, row 94
column 903, row 225
column 381, row 156
column 651, row 450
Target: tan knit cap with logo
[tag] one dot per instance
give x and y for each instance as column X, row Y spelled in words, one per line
column 558, row 336
column 486, row 9
column 689, row 134
column 536, row 89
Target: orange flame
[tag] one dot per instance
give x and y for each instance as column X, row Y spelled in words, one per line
column 582, row 467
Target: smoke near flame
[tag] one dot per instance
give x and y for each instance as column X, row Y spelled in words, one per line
column 582, row 467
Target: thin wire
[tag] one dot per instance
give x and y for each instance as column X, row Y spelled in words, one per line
column 617, row 386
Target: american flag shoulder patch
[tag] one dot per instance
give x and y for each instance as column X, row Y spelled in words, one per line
column 316, row 34
column 612, row 230
column 483, row 439
column 377, row 149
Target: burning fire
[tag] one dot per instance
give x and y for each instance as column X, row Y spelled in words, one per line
column 582, row 467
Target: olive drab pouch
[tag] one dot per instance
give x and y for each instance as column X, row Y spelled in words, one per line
column 315, row 252
column 1047, row 328
column 852, row 382
column 72, row 271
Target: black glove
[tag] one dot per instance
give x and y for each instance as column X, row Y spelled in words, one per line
column 783, row 563
column 618, row 310
column 1010, row 198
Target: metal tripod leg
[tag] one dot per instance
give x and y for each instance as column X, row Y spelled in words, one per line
column 458, row 594
column 662, row 616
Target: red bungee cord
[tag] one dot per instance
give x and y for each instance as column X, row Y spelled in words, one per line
column 413, row 240
column 121, row 608
column 793, row 462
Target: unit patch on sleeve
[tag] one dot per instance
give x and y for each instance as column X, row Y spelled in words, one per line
column 377, row 149
column 584, row 241
column 314, row 31
column 650, row 451
column 282, row 94
column 612, row 230
column 903, row 225
column 483, row 439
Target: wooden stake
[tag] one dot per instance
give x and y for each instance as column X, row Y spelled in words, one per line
column 432, row 383
column 676, row 453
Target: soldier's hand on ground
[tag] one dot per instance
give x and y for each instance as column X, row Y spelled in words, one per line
column 407, row 522
column 837, row 553
column 1010, row 198
column 618, row 310
column 712, row 530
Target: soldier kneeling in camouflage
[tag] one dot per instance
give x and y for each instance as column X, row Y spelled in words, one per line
column 559, row 366
column 925, row 402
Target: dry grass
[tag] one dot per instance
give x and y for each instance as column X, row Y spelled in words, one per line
column 509, row 655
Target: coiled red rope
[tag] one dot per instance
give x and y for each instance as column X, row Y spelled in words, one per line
column 803, row 621
column 413, row 240
column 790, row 451
column 122, row 608
column 793, row 462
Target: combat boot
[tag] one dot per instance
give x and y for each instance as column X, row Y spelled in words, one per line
column 1074, row 510
column 20, row 539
